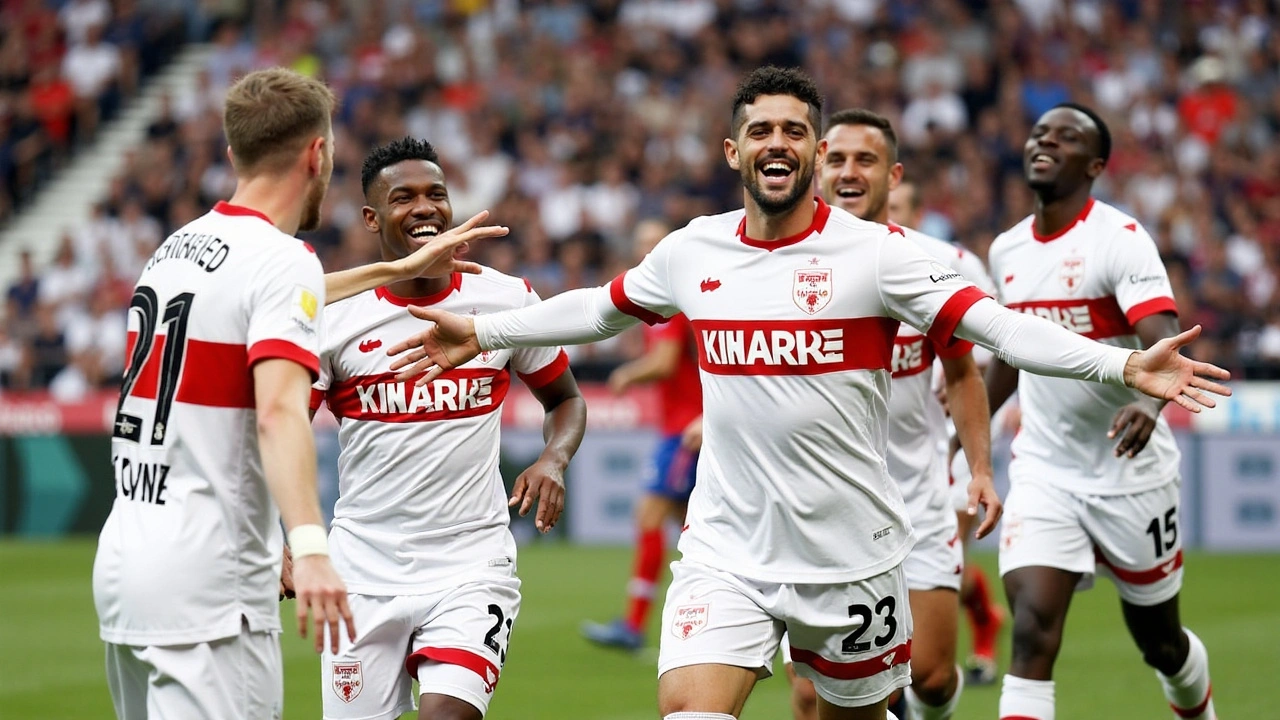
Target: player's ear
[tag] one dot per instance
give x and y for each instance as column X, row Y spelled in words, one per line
column 1096, row 166
column 315, row 155
column 895, row 175
column 731, row 153
column 820, row 156
column 231, row 157
column 371, row 219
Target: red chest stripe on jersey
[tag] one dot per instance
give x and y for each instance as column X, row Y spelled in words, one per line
column 1147, row 308
column 911, row 356
column 1094, row 318
column 462, row 393
column 618, row 294
column 794, row 347
column 213, row 374
column 854, row 670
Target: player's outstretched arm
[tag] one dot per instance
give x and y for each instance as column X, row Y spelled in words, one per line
column 435, row 259
column 570, row 318
column 1042, row 347
column 967, row 397
column 281, row 390
column 1134, row 423
column 562, row 430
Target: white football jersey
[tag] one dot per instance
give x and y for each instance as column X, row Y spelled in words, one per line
column 1097, row 277
column 795, row 344
column 918, row 428
column 421, row 499
column 193, row 542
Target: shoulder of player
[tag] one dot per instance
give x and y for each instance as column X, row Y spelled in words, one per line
column 497, row 287
column 1016, row 234
column 1116, row 223
column 845, row 223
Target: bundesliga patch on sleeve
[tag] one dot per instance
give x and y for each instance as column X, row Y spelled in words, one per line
column 304, row 308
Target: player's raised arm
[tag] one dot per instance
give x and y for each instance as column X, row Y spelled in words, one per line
column 435, row 259
column 1042, row 347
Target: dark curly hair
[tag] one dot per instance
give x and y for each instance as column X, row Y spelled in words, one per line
column 384, row 156
column 869, row 118
column 772, row 80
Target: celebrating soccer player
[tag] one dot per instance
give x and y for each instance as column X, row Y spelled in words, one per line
column 795, row 523
column 211, row 433
column 1095, row 470
column 860, row 170
column 420, row 530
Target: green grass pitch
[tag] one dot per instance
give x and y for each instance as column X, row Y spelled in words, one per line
column 53, row 665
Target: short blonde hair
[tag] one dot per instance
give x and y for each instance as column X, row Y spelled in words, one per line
column 271, row 114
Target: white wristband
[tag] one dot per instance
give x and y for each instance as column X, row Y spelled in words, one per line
column 307, row 540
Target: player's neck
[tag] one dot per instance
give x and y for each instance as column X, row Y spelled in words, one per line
column 765, row 228
column 419, row 287
column 273, row 196
column 1054, row 214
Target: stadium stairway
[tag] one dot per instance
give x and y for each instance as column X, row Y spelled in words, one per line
column 68, row 199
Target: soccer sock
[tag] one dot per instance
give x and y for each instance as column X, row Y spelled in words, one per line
column 1023, row 699
column 697, row 716
column 1189, row 692
column 650, row 549
column 977, row 605
column 918, row 710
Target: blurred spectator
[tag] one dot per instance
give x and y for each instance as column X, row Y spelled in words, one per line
column 25, row 291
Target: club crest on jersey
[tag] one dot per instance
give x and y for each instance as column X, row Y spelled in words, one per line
column 348, row 681
column 812, row 289
column 1072, row 274
column 690, row 620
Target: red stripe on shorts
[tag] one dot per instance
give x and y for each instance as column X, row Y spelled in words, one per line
column 1196, row 711
column 1141, row 577
column 854, row 670
column 477, row 664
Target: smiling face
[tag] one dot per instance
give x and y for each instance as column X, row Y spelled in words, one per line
column 859, row 171
column 408, row 205
column 775, row 152
column 1061, row 154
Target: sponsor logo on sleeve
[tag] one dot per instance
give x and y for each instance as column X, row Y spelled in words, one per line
column 304, row 309
column 941, row 273
column 1136, row 279
column 811, row 290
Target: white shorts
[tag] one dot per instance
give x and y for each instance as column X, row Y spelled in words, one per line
column 853, row 640
column 235, row 678
column 453, row 642
column 937, row 560
column 1133, row 539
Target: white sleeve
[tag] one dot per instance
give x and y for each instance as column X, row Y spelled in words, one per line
column 570, row 318
column 1141, row 284
column 922, row 292
column 285, row 304
column 1041, row 347
column 538, row 366
column 970, row 266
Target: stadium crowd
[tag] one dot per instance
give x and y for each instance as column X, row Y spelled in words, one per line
column 573, row 120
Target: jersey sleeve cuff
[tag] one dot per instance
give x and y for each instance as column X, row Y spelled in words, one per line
column 957, row 349
column 618, row 294
column 544, row 376
column 1147, row 308
column 942, row 332
column 317, row 399
column 285, row 350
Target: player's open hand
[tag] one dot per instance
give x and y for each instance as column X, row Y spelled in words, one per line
column 438, row 258
column 542, row 481
column 982, row 492
column 1162, row 372
column 1133, row 424
column 450, row 342
column 321, row 595
column 286, row 575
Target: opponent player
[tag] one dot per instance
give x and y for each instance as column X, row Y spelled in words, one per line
column 794, row 524
column 420, row 529
column 1095, row 471
column 860, row 170
column 985, row 616
column 670, row 360
column 211, row 444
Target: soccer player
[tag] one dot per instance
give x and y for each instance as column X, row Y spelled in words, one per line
column 670, row 361
column 860, row 170
column 1094, row 480
column 420, row 530
column 211, row 444
column 984, row 615
column 794, row 524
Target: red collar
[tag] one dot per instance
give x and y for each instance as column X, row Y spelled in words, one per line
column 455, row 282
column 820, row 215
column 226, row 208
column 1084, row 213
